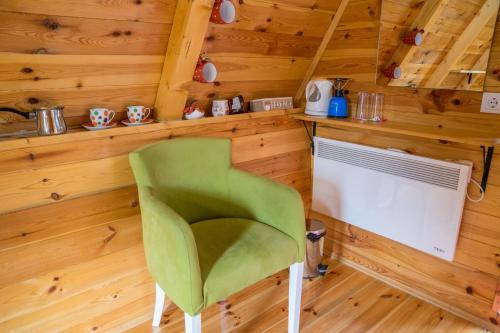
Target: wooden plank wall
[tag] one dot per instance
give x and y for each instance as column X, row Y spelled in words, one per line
column 468, row 283
column 82, row 53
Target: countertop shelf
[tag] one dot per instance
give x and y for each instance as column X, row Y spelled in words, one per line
column 31, row 139
column 465, row 136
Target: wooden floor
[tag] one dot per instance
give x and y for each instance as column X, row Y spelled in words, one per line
column 345, row 300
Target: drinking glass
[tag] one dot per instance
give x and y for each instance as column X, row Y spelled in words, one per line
column 363, row 108
column 377, row 106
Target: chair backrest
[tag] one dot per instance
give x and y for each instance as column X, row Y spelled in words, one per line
column 189, row 175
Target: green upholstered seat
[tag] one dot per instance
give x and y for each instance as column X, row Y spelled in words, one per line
column 210, row 230
column 235, row 253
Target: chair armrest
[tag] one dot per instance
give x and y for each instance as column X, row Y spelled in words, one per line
column 171, row 253
column 274, row 204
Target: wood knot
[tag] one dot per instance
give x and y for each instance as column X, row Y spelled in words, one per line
column 269, row 19
column 300, row 33
column 138, row 2
column 210, row 38
column 347, row 36
column 51, row 24
column 469, row 290
column 52, row 289
column 26, row 70
column 216, row 83
column 33, row 100
column 128, row 33
column 456, row 102
column 55, row 196
column 116, row 33
column 241, row 2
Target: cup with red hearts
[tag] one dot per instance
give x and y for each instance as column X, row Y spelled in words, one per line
column 205, row 71
column 223, row 12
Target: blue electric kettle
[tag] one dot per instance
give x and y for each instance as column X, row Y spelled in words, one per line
column 338, row 103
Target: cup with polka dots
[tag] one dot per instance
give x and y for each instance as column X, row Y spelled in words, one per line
column 101, row 117
column 137, row 113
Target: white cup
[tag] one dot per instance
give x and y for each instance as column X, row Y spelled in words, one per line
column 137, row 113
column 101, row 117
column 220, row 107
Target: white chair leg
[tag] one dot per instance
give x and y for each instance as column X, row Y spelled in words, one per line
column 294, row 296
column 159, row 303
column 192, row 324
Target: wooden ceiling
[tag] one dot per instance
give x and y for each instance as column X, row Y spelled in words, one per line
column 457, row 36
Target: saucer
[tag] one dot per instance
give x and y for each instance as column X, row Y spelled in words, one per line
column 91, row 127
column 144, row 122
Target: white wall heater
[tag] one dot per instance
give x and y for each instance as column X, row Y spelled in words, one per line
column 413, row 200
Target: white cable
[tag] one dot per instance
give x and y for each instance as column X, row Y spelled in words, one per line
column 481, row 190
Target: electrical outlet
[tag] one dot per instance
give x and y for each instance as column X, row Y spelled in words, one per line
column 491, row 103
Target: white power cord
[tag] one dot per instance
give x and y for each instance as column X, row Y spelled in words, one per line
column 481, row 191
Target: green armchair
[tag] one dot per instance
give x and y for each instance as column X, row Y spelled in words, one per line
column 211, row 230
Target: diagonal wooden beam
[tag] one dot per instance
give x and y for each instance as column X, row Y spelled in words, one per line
column 184, row 47
column 321, row 49
column 481, row 18
column 430, row 11
column 480, row 64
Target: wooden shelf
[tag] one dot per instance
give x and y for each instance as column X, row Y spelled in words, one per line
column 26, row 140
column 465, row 136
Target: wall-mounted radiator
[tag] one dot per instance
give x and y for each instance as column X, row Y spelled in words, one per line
column 413, row 200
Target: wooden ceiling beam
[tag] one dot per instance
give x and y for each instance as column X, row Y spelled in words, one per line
column 430, row 11
column 184, row 47
column 321, row 49
column 476, row 25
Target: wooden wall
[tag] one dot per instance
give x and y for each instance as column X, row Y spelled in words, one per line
column 82, row 53
column 468, row 283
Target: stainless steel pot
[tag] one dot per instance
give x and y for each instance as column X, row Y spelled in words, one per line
column 50, row 121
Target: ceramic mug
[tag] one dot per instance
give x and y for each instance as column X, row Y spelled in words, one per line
column 414, row 37
column 220, row 107
column 101, row 117
column 205, row 71
column 137, row 113
column 223, row 12
column 194, row 111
